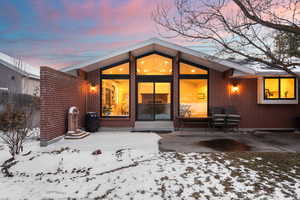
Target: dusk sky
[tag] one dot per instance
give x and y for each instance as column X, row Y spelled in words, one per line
column 60, row 33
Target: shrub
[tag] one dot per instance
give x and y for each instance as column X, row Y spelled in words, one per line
column 16, row 122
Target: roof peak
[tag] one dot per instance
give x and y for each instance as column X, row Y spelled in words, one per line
column 163, row 43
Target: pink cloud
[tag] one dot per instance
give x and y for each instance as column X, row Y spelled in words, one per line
column 58, row 55
column 126, row 18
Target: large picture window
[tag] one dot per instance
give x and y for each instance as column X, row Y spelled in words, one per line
column 193, row 91
column 115, row 91
column 279, row 88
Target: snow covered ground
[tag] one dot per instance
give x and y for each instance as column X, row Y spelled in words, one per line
column 131, row 167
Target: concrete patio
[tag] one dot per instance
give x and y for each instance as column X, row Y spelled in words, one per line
column 188, row 141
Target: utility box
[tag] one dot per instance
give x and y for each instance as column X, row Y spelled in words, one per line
column 92, row 122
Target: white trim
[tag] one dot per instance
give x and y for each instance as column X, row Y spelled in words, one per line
column 262, row 100
column 3, row 89
column 156, row 41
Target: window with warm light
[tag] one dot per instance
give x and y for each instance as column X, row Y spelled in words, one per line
column 193, row 91
column 115, row 91
column 193, row 98
column 120, row 69
column 279, row 88
column 154, row 64
column 115, row 97
column 189, row 69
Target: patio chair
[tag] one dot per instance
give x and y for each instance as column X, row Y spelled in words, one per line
column 233, row 118
column 218, row 117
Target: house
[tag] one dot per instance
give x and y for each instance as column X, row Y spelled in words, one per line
column 17, row 76
column 155, row 83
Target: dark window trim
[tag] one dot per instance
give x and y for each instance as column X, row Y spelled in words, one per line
column 192, row 76
column 171, row 104
column 279, row 93
column 157, row 78
column 114, row 77
column 154, row 52
column 114, row 117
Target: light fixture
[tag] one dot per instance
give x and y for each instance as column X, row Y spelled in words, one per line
column 142, row 62
column 121, row 69
column 166, row 62
column 234, row 89
column 193, row 71
column 234, row 86
column 93, row 87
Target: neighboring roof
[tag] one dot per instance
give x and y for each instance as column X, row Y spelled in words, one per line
column 260, row 68
column 19, row 66
column 155, row 44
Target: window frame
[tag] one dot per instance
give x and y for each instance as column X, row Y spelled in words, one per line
column 112, row 77
column 192, row 76
column 279, row 89
column 155, row 79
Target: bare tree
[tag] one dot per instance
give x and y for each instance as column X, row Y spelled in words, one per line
column 243, row 28
column 16, row 119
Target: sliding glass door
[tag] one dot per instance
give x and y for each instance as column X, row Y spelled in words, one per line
column 154, row 101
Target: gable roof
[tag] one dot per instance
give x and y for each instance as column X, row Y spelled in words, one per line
column 158, row 45
column 19, row 66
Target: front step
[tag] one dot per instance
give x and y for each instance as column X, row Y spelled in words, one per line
column 153, row 126
column 79, row 135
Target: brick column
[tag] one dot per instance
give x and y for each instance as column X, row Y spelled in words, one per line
column 59, row 91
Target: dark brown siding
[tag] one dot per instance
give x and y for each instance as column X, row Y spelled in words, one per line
column 175, row 89
column 132, row 103
column 116, row 123
column 59, row 91
column 253, row 115
column 93, row 97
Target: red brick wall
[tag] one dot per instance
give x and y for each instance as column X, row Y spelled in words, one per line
column 59, row 91
column 253, row 115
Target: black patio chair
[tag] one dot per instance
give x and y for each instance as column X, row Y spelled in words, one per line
column 233, row 118
column 218, row 117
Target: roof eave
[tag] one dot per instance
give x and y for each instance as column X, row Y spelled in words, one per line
column 176, row 47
